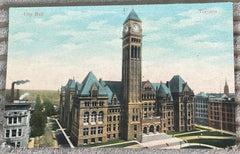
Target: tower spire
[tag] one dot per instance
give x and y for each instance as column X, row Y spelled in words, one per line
column 226, row 88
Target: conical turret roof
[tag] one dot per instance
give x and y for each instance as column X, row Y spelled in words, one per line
column 132, row 16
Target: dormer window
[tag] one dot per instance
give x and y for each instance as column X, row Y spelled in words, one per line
column 94, row 93
column 115, row 101
column 94, row 90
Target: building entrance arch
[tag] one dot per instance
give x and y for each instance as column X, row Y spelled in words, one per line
column 145, row 130
column 151, row 129
column 157, row 129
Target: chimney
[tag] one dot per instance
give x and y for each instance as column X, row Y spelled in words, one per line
column 12, row 92
column 17, row 94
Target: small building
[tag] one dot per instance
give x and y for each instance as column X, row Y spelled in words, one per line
column 16, row 124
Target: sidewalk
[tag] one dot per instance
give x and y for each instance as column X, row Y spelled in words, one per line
column 107, row 145
column 207, row 137
column 214, row 129
column 200, row 131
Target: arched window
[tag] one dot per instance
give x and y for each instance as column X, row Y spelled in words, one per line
column 132, row 51
column 100, row 116
column 138, row 52
column 135, row 52
column 93, row 116
column 86, row 117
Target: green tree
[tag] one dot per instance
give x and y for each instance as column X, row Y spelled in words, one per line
column 38, row 123
column 48, row 106
column 38, row 105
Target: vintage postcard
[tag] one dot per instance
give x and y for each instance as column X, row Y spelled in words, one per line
column 121, row 76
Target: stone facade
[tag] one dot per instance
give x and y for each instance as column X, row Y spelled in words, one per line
column 16, row 126
column 183, row 104
column 222, row 114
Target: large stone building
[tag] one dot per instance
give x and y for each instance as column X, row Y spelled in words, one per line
column 16, row 126
column 96, row 111
column 221, row 111
column 201, row 109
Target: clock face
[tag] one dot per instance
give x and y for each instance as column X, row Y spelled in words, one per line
column 125, row 28
column 135, row 28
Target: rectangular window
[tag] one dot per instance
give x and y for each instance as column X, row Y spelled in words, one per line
column 85, row 131
column 114, row 127
column 12, row 144
column 20, row 120
column 100, row 139
column 92, row 139
column 86, row 103
column 19, row 132
column 94, row 103
column 7, row 133
column 114, row 135
column 108, row 135
column 135, row 127
column 135, row 135
column 93, row 131
column 145, row 115
column 85, row 141
column 14, row 133
column 109, row 127
column 18, row 144
column 94, row 93
column 15, row 120
column 10, row 120
column 100, row 130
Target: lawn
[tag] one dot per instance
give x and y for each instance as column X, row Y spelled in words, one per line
column 99, row 144
column 208, row 133
column 200, row 128
column 178, row 133
column 214, row 142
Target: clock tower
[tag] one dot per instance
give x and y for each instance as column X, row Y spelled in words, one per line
column 132, row 76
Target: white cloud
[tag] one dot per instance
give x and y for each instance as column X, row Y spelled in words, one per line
column 21, row 37
column 157, row 25
column 194, row 17
column 69, row 16
column 200, row 42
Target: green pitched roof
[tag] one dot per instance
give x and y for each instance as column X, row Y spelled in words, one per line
column 71, row 84
column 116, row 88
column 177, row 84
column 155, row 85
column 164, row 90
column 132, row 16
column 87, row 83
column 85, row 87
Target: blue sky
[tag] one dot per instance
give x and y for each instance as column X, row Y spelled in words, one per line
column 67, row 42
